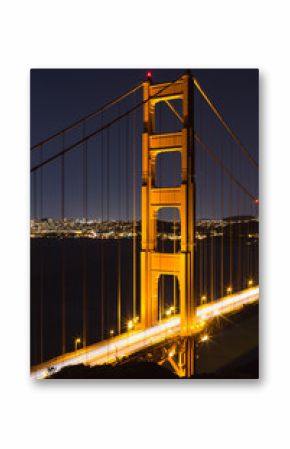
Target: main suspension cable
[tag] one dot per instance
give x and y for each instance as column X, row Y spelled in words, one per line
column 87, row 117
column 224, row 123
column 224, row 168
column 102, row 128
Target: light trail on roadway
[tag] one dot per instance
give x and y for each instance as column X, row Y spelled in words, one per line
column 123, row 345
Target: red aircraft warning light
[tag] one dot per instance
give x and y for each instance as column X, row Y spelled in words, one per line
column 256, row 201
column 149, row 74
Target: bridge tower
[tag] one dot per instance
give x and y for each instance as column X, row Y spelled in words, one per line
column 154, row 263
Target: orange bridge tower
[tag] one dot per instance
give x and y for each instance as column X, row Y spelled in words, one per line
column 154, row 263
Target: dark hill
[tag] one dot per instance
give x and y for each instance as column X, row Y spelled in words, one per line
column 245, row 367
column 130, row 370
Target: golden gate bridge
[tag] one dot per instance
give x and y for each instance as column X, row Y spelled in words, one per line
column 162, row 158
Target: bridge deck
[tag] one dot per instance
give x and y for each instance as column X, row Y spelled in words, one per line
column 126, row 344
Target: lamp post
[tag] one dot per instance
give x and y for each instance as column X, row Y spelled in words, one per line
column 77, row 341
column 130, row 325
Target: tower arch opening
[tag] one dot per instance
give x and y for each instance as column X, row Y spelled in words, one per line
column 168, row 296
column 168, row 230
column 168, row 115
column 168, row 169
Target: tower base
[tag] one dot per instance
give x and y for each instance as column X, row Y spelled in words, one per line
column 186, row 357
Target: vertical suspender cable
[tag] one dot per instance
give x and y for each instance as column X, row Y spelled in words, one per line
column 161, row 218
column 127, row 158
column 203, row 200
column 174, row 251
column 108, row 174
column 127, row 188
column 199, row 192
column 163, row 223
column 41, row 263
column 211, row 232
column 84, row 242
column 102, row 237
column 239, row 280
column 206, row 240
column 35, row 216
column 251, row 247
column 231, row 214
column 243, row 237
column 119, row 308
column 248, row 246
column 63, row 308
column 119, row 288
column 256, row 261
column 215, row 215
column 127, row 171
column 34, row 193
column 222, row 229
column 134, row 210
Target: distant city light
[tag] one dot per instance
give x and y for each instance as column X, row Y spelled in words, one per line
column 149, row 74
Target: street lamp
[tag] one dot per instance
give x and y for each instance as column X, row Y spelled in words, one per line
column 170, row 311
column 204, row 338
column 77, row 341
column 111, row 332
column 130, row 325
column 250, row 282
column 229, row 290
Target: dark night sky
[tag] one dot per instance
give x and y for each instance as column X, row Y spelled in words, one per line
column 60, row 97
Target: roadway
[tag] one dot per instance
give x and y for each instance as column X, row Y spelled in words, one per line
column 115, row 348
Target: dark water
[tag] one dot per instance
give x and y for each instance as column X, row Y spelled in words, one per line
column 91, row 272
